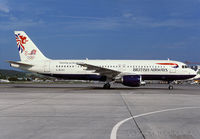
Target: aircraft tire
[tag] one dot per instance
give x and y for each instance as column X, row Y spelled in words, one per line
column 170, row 87
column 106, row 86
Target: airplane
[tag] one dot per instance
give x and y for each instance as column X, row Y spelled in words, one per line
column 132, row 73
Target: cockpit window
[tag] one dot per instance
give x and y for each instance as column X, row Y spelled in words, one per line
column 184, row 66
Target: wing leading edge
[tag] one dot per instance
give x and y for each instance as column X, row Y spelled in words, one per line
column 109, row 73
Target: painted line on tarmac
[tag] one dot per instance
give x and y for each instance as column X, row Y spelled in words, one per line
column 113, row 134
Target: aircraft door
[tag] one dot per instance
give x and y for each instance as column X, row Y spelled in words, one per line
column 172, row 70
column 47, row 66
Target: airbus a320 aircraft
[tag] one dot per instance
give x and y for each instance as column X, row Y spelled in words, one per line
column 131, row 73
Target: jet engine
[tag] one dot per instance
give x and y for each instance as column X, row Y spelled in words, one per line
column 131, row 80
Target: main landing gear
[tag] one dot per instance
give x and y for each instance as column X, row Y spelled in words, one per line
column 106, row 86
column 170, row 85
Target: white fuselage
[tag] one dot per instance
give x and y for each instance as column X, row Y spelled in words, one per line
column 148, row 69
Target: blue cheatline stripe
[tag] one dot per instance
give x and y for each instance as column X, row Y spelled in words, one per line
column 103, row 78
column 79, row 76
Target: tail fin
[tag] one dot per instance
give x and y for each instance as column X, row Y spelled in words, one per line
column 28, row 51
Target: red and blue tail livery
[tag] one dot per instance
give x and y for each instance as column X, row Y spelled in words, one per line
column 21, row 40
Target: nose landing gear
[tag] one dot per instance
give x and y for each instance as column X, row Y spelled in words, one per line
column 170, row 87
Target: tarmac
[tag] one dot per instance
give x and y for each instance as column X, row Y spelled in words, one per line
column 86, row 111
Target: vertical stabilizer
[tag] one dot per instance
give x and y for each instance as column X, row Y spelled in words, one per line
column 28, row 51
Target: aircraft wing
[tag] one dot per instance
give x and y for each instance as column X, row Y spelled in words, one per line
column 102, row 71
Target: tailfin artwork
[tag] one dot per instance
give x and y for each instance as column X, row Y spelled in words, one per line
column 28, row 51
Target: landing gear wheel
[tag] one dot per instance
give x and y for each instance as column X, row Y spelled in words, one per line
column 106, row 86
column 170, row 87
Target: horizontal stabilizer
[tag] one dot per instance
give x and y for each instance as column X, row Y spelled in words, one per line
column 19, row 63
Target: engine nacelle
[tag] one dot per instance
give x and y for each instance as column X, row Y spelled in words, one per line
column 131, row 80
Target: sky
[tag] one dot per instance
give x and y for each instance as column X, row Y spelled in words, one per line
column 103, row 29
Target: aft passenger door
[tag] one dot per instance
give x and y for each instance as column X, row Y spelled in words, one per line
column 47, row 66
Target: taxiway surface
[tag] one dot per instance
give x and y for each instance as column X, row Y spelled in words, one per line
column 85, row 111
